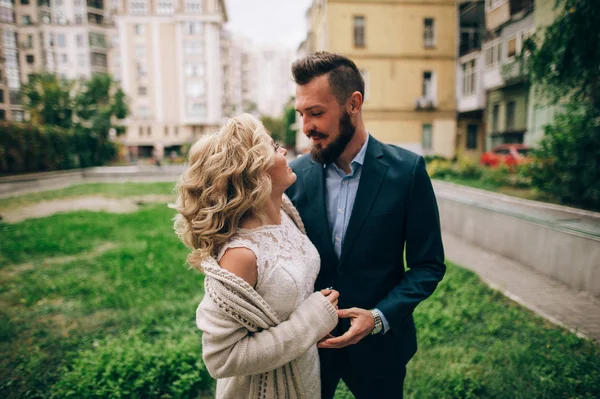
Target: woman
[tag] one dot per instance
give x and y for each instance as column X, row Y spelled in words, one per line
column 259, row 316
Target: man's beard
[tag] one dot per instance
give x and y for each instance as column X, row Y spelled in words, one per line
column 331, row 152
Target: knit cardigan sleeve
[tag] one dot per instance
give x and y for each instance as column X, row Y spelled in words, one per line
column 230, row 349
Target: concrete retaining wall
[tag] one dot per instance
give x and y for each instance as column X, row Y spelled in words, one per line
column 570, row 257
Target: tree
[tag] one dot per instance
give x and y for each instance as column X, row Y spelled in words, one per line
column 99, row 104
column 274, row 126
column 49, row 100
column 289, row 118
column 563, row 63
column 85, row 110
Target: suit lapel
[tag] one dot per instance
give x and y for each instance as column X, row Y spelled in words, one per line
column 371, row 178
column 314, row 181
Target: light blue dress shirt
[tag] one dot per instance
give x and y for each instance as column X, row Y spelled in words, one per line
column 341, row 192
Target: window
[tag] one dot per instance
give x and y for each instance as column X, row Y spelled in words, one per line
column 30, row 59
column 195, row 108
column 140, row 29
column 149, row 129
column 140, row 51
column 192, row 28
column 165, row 7
column 99, row 60
column 195, row 90
column 166, row 130
column 511, row 47
column 493, row 53
column 495, row 114
column 429, row 33
column 194, row 70
column 359, row 31
column 79, row 40
column 138, row 7
column 192, row 48
column 7, row 15
column 19, row 116
column 2, row 115
column 193, row 6
column 143, row 112
column 141, row 70
column 365, row 76
column 428, row 85
column 176, row 130
column 492, row 4
column 61, row 40
column 25, row 2
column 140, row 131
column 427, row 137
column 468, row 78
column 1, row 96
column 64, row 59
column 97, row 40
column 510, row 115
column 142, row 91
column 25, row 20
column 81, row 60
column 472, row 137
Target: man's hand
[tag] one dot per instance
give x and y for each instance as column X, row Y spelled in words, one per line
column 361, row 325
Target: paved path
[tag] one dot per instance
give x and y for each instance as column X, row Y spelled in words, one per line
column 579, row 312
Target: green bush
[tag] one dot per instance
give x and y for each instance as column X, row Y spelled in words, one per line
column 567, row 162
column 28, row 148
column 135, row 367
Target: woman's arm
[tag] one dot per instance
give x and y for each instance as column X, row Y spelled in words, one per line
column 229, row 349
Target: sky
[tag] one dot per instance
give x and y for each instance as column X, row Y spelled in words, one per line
column 276, row 22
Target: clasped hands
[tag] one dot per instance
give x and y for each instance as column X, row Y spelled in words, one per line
column 361, row 324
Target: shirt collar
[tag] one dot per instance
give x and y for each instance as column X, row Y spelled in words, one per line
column 359, row 159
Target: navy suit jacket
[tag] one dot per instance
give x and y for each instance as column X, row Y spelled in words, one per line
column 395, row 208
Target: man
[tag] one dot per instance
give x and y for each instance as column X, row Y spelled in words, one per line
column 362, row 202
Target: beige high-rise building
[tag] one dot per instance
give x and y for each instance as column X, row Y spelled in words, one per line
column 66, row 37
column 167, row 56
column 407, row 51
column 9, row 64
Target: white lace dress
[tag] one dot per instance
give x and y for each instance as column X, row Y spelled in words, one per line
column 288, row 264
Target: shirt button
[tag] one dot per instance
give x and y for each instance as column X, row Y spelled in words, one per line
column 337, row 239
column 345, row 182
column 340, row 210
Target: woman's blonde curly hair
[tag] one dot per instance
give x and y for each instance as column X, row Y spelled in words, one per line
column 226, row 182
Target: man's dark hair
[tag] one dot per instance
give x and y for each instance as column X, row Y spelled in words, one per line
column 344, row 77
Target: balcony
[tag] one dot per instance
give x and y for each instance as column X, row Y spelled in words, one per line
column 425, row 104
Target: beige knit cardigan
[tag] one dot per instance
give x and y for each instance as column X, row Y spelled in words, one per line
column 245, row 345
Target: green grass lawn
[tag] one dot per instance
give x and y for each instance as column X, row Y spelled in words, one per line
column 98, row 305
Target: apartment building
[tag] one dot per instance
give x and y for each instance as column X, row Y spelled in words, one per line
column 406, row 51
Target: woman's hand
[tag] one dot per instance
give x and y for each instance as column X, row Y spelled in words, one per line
column 332, row 295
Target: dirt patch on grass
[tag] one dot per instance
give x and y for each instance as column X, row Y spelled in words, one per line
column 89, row 203
column 12, row 271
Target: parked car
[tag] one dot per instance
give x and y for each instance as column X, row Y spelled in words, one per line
column 509, row 154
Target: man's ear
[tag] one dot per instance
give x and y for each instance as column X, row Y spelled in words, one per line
column 355, row 103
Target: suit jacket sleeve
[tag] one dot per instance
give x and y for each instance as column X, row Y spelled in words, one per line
column 229, row 349
column 424, row 251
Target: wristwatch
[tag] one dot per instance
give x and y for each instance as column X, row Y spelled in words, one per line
column 378, row 322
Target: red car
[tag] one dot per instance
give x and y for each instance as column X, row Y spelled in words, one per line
column 508, row 154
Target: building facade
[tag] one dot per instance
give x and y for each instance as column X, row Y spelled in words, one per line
column 540, row 113
column 406, row 51
column 470, row 93
column 167, row 56
column 509, row 23
column 9, row 63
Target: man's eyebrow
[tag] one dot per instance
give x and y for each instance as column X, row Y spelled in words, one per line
column 311, row 107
